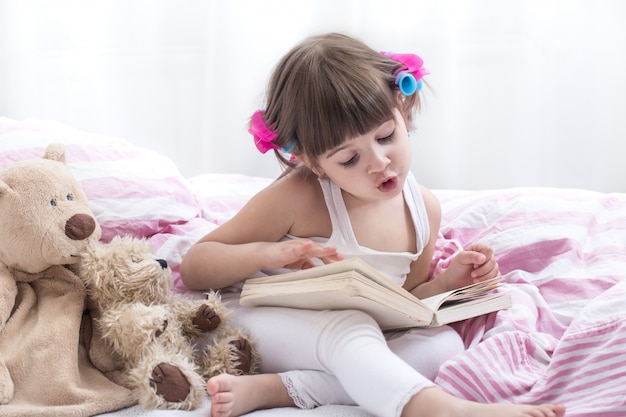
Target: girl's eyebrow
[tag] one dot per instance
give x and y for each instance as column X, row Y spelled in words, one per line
column 337, row 149
column 346, row 143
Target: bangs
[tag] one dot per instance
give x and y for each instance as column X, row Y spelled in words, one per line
column 338, row 107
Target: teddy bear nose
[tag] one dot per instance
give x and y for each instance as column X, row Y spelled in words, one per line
column 162, row 262
column 80, row 226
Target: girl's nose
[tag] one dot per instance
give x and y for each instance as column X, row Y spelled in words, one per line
column 378, row 162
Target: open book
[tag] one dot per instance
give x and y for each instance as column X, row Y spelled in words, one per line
column 354, row 284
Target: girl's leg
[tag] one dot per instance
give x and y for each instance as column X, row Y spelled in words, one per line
column 310, row 388
column 433, row 402
column 425, row 350
column 234, row 396
column 349, row 345
column 339, row 343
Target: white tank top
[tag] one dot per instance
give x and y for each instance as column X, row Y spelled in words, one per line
column 396, row 265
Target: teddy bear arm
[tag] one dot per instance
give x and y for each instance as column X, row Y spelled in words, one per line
column 195, row 318
column 131, row 328
column 199, row 317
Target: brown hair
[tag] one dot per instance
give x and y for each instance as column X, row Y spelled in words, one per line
column 330, row 88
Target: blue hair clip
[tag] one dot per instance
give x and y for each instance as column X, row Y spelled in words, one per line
column 406, row 83
column 409, row 76
column 289, row 146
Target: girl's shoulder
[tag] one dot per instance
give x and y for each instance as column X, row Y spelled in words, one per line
column 430, row 200
column 291, row 193
column 301, row 199
column 433, row 210
column 299, row 183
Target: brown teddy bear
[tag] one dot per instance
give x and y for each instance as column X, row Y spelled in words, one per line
column 45, row 225
column 151, row 330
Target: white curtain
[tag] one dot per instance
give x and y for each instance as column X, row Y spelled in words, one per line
column 523, row 93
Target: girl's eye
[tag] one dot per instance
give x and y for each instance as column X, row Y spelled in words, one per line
column 350, row 161
column 386, row 138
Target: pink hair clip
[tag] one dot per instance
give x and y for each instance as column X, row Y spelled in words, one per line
column 264, row 135
column 408, row 77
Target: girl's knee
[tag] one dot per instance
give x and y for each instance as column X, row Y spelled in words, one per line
column 345, row 327
column 339, row 321
column 425, row 350
column 449, row 340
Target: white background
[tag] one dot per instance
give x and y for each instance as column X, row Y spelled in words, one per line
column 523, row 93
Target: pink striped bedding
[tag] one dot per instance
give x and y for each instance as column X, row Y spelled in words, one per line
column 563, row 257
column 562, row 253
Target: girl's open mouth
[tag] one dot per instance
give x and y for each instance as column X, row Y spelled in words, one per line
column 388, row 184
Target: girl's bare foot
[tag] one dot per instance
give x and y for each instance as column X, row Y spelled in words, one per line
column 232, row 396
column 433, row 402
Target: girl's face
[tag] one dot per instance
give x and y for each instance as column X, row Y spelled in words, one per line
column 372, row 166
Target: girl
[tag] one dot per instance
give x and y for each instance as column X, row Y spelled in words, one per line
column 342, row 111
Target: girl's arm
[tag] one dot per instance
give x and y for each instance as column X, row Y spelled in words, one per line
column 417, row 280
column 250, row 241
column 475, row 263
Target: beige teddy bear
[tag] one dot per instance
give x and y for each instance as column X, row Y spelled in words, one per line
column 45, row 225
column 151, row 330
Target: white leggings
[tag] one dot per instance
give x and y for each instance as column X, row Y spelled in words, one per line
column 342, row 357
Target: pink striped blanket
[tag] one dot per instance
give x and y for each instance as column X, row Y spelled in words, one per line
column 562, row 253
column 563, row 257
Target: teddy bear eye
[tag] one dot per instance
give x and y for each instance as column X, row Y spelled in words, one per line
column 53, row 203
column 69, row 197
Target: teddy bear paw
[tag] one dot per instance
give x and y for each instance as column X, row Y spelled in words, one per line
column 243, row 351
column 233, row 354
column 170, row 383
column 206, row 318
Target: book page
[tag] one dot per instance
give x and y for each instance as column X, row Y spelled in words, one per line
column 347, row 290
column 350, row 283
column 357, row 264
column 350, row 264
column 450, row 313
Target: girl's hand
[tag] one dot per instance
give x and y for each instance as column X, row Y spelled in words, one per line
column 487, row 269
column 474, row 264
column 298, row 254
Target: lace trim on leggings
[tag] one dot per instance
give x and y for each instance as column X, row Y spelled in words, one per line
column 295, row 394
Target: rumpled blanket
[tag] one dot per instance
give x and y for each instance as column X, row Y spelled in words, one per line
column 45, row 352
column 562, row 254
column 584, row 368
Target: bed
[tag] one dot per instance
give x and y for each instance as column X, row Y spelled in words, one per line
column 562, row 253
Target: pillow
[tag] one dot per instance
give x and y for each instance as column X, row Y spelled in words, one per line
column 132, row 190
column 221, row 196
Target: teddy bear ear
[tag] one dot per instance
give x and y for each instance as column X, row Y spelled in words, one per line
column 55, row 152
